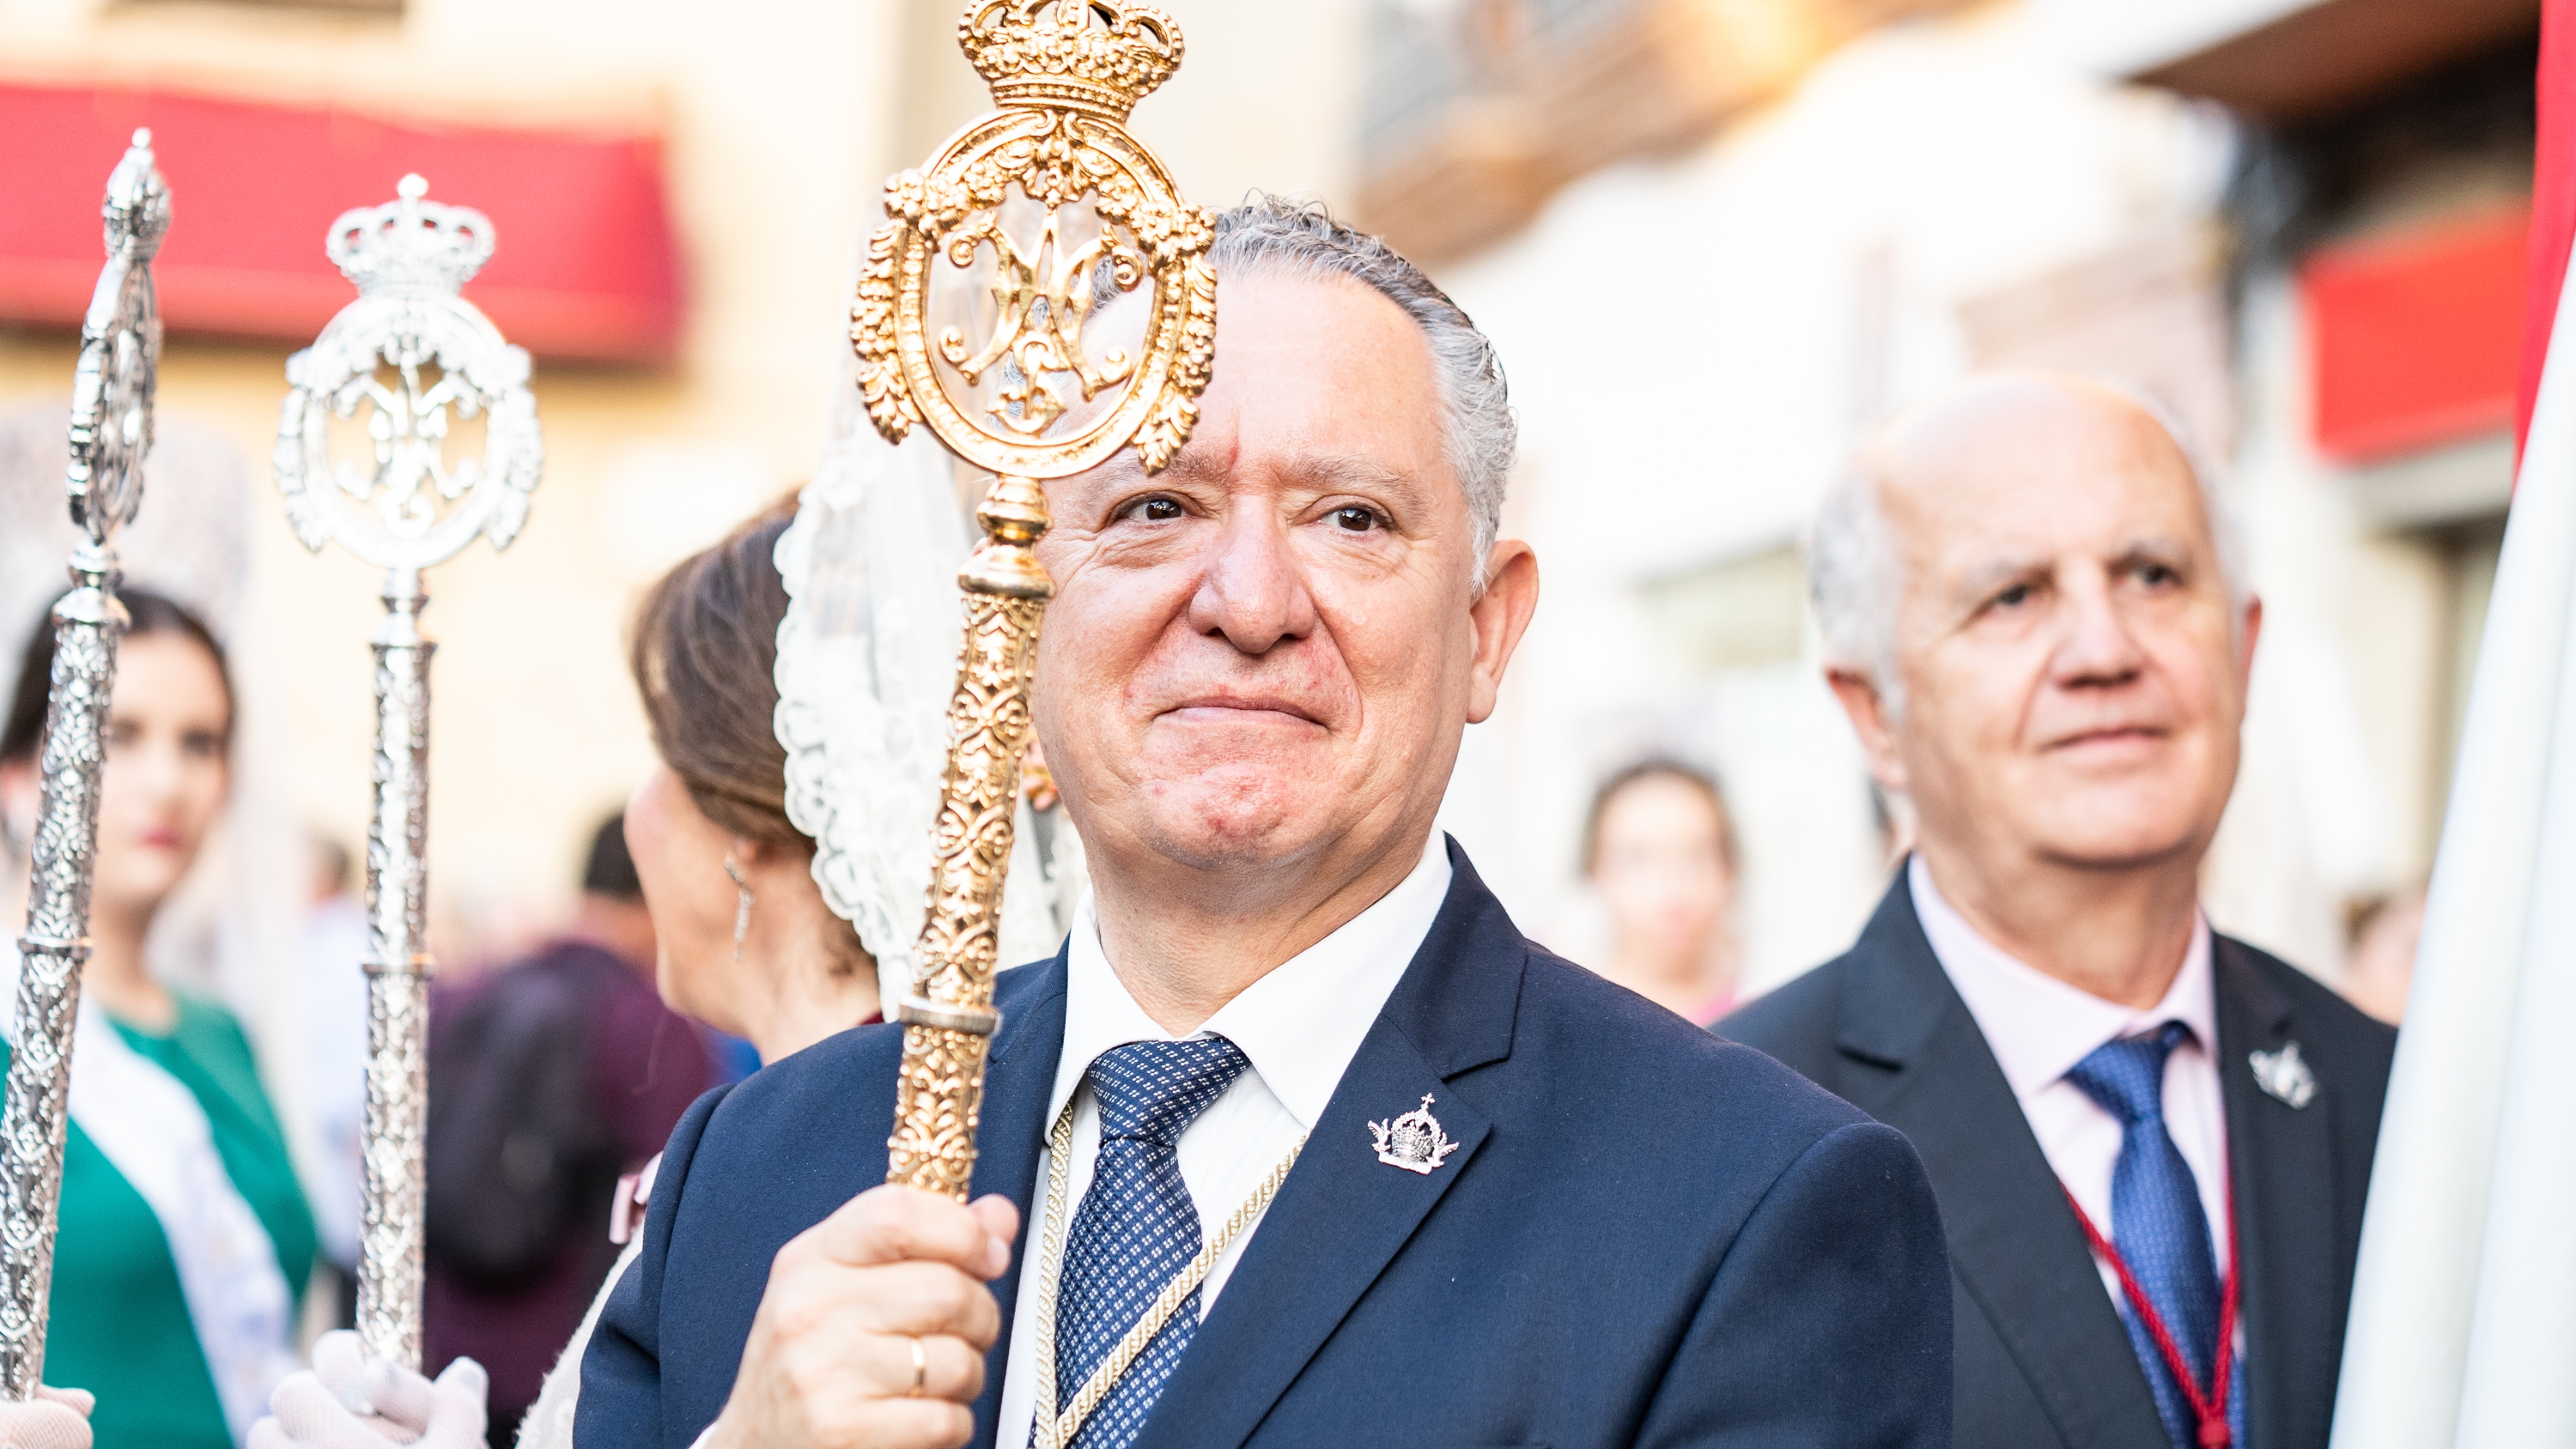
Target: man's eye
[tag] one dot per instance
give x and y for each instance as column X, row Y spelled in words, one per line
column 1155, row 510
column 1354, row 519
column 2157, row 575
column 2014, row 597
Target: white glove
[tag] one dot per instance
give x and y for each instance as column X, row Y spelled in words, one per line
column 349, row 1401
column 53, row 1419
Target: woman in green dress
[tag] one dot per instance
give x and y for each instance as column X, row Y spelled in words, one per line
column 185, row 1243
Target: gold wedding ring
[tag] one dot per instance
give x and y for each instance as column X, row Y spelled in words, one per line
column 920, row 1370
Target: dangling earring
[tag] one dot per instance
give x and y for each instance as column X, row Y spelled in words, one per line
column 741, row 910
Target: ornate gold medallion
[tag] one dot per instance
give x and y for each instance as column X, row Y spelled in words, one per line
column 1074, row 214
column 1039, row 299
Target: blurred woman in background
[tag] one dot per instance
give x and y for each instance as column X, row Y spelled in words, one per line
column 185, row 1243
column 745, row 942
column 1660, row 848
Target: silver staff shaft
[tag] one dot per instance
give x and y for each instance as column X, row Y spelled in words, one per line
column 111, row 434
column 87, row 624
column 398, row 970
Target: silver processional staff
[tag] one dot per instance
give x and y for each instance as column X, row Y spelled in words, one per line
column 413, row 358
column 111, row 431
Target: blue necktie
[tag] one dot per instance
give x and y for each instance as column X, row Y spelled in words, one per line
column 2157, row 1223
column 1136, row 1229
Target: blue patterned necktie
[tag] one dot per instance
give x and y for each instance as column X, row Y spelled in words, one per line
column 1137, row 1228
column 2158, row 1225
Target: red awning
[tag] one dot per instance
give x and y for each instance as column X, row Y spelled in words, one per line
column 2414, row 338
column 587, row 268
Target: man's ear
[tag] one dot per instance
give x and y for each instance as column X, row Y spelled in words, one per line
column 1500, row 616
column 1861, row 700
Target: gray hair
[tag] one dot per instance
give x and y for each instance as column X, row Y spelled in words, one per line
column 1276, row 236
column 1856, row 576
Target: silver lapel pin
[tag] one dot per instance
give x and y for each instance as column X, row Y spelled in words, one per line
column 2285, row 1075
column 1413, row 1141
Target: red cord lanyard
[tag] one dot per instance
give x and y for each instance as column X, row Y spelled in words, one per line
column 2208, row 1411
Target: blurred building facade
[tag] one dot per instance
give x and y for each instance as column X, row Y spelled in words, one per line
column 2299, row 224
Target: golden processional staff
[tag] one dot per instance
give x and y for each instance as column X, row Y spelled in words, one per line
column 1040, row 299
column 110, row 434
column 413, row 358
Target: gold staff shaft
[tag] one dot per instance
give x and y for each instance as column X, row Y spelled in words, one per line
column 949, row 1020
column 1038, row 399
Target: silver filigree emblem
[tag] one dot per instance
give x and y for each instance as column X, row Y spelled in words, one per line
column 1413, row 1141
column 2285, row 1075
column 120, row 351
column 403, row 366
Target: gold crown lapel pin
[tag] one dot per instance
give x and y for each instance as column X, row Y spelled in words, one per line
column 1040, row 298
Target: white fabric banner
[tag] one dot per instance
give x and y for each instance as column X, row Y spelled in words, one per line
column 2463, row 1329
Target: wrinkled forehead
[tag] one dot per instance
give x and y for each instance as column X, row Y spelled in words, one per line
column 2033, row 474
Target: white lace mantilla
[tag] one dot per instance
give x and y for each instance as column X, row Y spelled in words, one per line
column 866, row 659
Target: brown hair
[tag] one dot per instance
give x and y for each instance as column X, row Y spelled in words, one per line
column 146, row 613
column 705, row 656
column 1658, row 768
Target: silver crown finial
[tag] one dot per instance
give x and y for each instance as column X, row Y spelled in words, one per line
column 136, row 212
column 411, row 243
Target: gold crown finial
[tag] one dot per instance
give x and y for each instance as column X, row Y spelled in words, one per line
column 1094, row 55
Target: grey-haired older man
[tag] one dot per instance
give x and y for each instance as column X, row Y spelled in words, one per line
column 1444, row 1187
column 2150, row 1142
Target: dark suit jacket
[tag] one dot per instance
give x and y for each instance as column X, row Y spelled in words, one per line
column 2042, row 1358
column 1646, row 1236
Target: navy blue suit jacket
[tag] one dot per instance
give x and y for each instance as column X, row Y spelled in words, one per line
column 2042, row 1358
column 1646, row 1236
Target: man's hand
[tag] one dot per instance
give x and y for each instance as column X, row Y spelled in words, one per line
column 873, row 1330
column 53, row 1419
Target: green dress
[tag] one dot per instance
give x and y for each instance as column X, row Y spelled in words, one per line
column 119, row 1326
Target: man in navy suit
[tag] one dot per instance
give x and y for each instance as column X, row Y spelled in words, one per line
column 2150, row 1142
column 1312, row 1147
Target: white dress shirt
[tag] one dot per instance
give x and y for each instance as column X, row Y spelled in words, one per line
column 2039, row 1027
column 1299, row 1026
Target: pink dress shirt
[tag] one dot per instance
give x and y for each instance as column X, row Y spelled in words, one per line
column 2039, row 1027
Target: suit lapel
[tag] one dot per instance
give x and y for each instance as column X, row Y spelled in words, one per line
column 2281, row 1164
column 2014, row 1244
column 1010, row 1132
column 1342, row 1215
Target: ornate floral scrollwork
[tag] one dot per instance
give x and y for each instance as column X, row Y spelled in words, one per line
column 1028, row 393
column 412, row 358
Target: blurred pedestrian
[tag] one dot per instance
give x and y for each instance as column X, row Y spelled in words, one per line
column 1660, row 848
column 185, row 1244
column 739, row 937
column 2150, row 1142
column 548, row 1079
